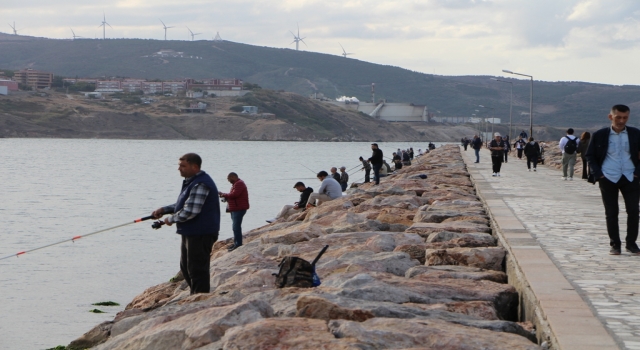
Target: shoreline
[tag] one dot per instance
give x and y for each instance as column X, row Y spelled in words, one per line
column 401, row 254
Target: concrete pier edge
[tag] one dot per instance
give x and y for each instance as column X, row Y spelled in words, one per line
column 547, row 299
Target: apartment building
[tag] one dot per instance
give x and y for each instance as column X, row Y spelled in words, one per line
column 33, row 78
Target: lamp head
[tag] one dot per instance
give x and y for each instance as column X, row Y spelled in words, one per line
column 507, row 71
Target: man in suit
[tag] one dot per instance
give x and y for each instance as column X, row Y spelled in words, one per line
column 613, row 159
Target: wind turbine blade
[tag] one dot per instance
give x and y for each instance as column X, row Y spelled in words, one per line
column 109, row 25
column 292, row 42
column 170, row 27
column 197, row 33
column 164, row 25
column 294, row 35
column 305, row 44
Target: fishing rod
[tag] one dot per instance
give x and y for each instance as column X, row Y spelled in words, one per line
column 156, row 225
column 307, row 168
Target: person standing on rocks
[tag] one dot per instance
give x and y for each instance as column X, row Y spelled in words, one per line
column 367, row 170
column 585, row 138
column 298, row 206
column 334, row 173
column 237, row 205
column 532, row 152
column 376, row 161
column 329, row 190
column 476, row 144
column 344, row 178
column 613, row 159
column 497, row 147
column 569, row 146
column 197, row 218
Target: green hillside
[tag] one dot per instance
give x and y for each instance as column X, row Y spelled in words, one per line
column 555, row 103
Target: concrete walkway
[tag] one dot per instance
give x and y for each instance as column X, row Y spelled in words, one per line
column 566, row 220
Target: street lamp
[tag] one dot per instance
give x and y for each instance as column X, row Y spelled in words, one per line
column 510, row 103
column 493, row 120
column 530, row 99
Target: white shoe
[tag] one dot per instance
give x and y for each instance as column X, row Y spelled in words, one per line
column 534, row 169
column 571, row 179
column 495, row 174
column 564, row 178
column 528, row 169
column 272, row 220
column 498, row 174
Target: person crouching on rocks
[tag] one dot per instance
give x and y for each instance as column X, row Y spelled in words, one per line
column 237, row 206
column 329, row 190
column 298, row 206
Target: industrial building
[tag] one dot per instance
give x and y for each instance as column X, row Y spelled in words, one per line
column 33, row 78
column 391, row 112
column 9, row 84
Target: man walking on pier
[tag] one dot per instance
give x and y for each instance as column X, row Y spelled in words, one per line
column 497, row 147
column 569, row 147
column 476, row 144
column 613, row 160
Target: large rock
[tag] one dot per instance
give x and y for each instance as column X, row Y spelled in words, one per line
column 189, row 331
column 415, row 251
column 424, row 229
column 444, row 240
column 490, row 258
column 389, row 333
column 455, row 271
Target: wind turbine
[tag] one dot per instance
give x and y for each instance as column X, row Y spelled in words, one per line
column 74, row 35
column 15, row 31
column 104, row 26
column 344, row 53
column 192, row 33
column 165, row 29
column 297, row 39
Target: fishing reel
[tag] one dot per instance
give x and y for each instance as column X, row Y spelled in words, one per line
column 157, row 224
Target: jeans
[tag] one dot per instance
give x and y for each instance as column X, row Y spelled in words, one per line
column 629, row 190
column 506, row 156
column 520, row 153
column 477, row 155
column 236, row 219
column 568, row 162
column 497, row 163
column 376, row 173
column 533, row 160
column 344, row 186
column 194, row 261
column 367, row 173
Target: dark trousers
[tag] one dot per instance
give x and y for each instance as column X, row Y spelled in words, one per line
column 629, row 190
column 376, row 173
column 465, row 146
column 585, row 169
column 477, row 155
column 344, row 185
column 367, row 173
column 506, row 155
column 194, row 261
column 236, row 225
column 520, row 153
column 497, row 163
column 533, row 160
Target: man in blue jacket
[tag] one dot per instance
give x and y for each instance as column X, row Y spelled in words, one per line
column 196, row 214
column 613, row 160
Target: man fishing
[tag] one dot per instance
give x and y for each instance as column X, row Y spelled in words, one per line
column 237, row 205
column 197, row 217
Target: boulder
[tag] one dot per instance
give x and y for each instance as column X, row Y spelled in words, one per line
column 95, row 336
column 415, row 251
column 389, row 333
column 455, row 271
column 424, row 229
column 469, row 240
column 490, row 258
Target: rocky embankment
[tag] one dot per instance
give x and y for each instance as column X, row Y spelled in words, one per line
column 411, row 264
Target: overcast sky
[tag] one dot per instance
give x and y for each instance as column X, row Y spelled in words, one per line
column 553, row 40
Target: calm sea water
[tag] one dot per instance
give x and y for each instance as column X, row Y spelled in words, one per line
column 56, row 189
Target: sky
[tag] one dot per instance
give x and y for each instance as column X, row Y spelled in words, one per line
column 552, row 40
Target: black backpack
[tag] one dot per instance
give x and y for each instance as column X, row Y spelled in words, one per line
column 297, row 272
column 571, row 146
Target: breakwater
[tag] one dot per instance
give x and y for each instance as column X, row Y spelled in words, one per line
column 411, row 263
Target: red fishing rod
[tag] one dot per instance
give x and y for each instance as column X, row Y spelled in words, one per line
column 156, row 225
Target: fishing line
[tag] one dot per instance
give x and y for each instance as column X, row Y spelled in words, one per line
column 77, row 237
column 307, row 168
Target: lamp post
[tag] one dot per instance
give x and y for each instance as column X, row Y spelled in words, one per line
column 530, row 99
column 492, row 118
column 510, row 104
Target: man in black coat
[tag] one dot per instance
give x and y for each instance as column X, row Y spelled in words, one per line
column 298, row 206
column 376, row 162
column 613, row 160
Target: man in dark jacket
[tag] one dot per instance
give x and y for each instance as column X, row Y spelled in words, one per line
column 376, row 161
column 367, row 169
column 298, row 206
column 237, row 205
column 344, row 178
column 613, row 160
column 334, row 174
column 497, row 147
column 196, row 214
column 476, row 144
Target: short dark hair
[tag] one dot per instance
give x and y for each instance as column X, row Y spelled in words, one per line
column 299, row 183
column 233, row 174
column 620, row 108
column 361, row 158
column 192, row 158
column 531, row 138
column 570, row 131
column 322, row 173
column 374, row 144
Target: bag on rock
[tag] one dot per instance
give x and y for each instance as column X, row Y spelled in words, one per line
column 297, row 272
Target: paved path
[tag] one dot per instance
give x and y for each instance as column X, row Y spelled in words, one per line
column 567, row 220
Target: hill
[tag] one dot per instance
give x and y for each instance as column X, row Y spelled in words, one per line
column 555, row 103
column 53, row 114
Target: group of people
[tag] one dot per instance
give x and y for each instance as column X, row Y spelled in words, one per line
column 501, row 147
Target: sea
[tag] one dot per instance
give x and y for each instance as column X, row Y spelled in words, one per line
column 56, row 189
